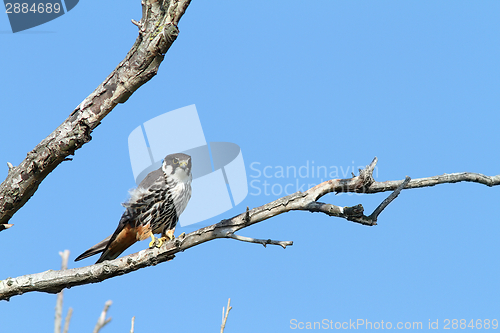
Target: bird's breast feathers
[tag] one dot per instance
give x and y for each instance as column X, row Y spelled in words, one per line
column 178, row 188
column 181, row 193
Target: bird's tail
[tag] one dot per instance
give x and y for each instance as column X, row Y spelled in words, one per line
column 114, row 245
column 98, row 248
column 121, row 240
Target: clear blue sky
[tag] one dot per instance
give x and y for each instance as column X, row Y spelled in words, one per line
column 334, row 83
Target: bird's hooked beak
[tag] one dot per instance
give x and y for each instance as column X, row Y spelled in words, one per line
column 183, row 164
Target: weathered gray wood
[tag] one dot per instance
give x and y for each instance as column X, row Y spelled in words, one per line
column 55, row 281
column 157, row 31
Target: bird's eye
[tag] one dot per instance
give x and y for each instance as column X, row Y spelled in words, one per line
column 175, row 160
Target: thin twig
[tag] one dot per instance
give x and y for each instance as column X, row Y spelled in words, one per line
column 59, row 303
column 67, row 320
column 102, row 321
column 224, row 316
column 389, row 199
column 264, row 242
column 132, row 327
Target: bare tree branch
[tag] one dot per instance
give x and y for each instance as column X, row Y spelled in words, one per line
column 132, row 325
column 67, row 320
column 55, row 281
column 102, row 321
column 264, row 242
column 373, row 216
column 224, row 315
column 59, row 303
column 157, row 31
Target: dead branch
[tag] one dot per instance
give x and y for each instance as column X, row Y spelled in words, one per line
column 373, row 216
column 132, row 325
column 224, row 315
column 59, row 303
column 264, row 242
column 102, row 320
column 67, row 320
column 55, row 281
column 157, row 31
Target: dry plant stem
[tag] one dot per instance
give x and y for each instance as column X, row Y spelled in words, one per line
column 59, row 303
column 102, row 321
column 67, row 320
column 157, row 31
column 224, row 315
column 132, row 325
column 55, row 281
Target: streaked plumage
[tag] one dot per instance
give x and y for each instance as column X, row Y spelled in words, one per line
column 153, row 208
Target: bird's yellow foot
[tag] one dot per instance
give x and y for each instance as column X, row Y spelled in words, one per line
column 153, row 241
column 156, row 242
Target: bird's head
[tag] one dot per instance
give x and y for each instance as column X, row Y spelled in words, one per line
column 177, row 166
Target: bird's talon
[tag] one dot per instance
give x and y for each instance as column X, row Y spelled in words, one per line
column 153, row 241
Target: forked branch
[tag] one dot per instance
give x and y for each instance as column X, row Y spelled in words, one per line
column 224, row 315
column 103, row 319
column 55, row 281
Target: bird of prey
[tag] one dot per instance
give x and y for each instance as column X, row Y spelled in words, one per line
column 153, row 208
